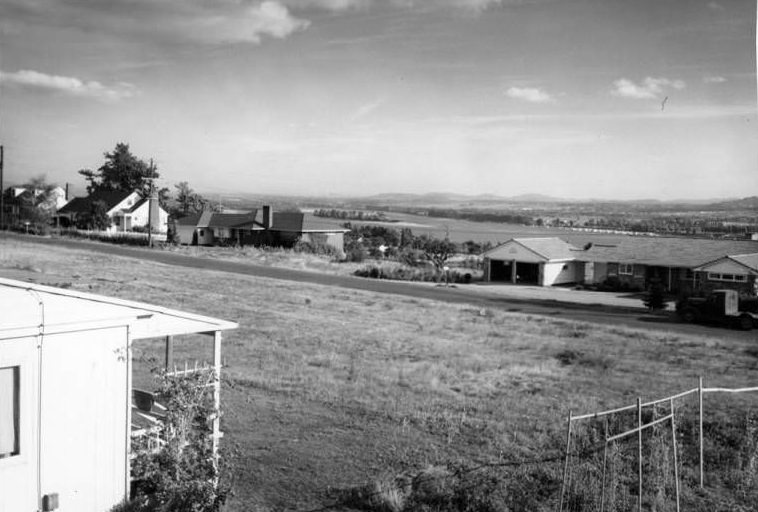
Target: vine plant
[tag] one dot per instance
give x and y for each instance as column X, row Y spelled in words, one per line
column 182, row 474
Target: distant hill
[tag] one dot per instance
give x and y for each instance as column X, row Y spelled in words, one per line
column 746, row 203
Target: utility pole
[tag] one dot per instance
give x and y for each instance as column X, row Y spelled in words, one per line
column 150, row 206
column 2, row 189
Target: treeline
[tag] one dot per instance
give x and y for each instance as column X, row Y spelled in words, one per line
column 481, row 216
column 350, row 215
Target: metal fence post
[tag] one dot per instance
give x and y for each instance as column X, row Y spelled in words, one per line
column 566, row 462
column 700, row 424
column 605, row 462
column 639, row 454
column 676, row 462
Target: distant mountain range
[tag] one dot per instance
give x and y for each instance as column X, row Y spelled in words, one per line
column 448, row 200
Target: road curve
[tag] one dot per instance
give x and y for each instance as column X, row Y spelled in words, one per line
column 571, row 311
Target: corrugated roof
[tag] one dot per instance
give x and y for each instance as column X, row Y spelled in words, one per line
column 666, row 252
column 551, row 248
column 26, row 306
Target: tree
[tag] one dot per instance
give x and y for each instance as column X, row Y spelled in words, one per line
column 654, row 298
column 97, row 218
column 435, row 250
column 36, row 205
column 187, row 201
column 121, row 171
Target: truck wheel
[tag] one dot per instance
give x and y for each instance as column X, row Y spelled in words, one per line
column 688, row 315
column 745, row 322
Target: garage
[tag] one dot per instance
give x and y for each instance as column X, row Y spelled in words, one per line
column 533, row 261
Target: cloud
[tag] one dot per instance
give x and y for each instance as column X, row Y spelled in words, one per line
column 649, row 88
column 71, row 86
column 328, row 5
column 715, row 6
column 169, row 21
column 714, row 79
column 366, row 109
column 530, row 94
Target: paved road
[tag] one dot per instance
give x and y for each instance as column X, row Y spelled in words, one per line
column 572, row 311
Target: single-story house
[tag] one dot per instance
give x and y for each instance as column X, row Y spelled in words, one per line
column 539, row 261
column 263, row 227
column 66, row 393
column 680, row 264
column 127, row 210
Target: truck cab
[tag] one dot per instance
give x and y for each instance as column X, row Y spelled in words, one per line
column 721, row 306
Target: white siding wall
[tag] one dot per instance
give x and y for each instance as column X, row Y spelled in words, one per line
column 555, row 273
column 184, row 234
column 84, row 400
column 18, row 474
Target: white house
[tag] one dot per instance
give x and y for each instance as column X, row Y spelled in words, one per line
column 65, row 393
column 127, row 210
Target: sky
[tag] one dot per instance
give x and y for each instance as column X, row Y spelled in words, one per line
column 610, row 99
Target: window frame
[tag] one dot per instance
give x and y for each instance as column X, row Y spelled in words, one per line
column 16, row 392
column 623, row 267
column 727, row 278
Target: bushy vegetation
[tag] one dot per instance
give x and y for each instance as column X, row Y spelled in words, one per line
column 183, row 475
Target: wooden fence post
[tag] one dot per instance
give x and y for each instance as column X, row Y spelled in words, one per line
column 566, row 462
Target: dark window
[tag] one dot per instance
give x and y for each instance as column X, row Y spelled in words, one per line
column 9, row 411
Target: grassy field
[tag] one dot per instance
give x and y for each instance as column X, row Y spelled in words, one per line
column 328, row 389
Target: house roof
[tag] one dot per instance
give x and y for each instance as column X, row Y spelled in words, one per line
column 188, row 220
column 550, row 248
column 665, row 251
column 30, row 309
column 749, row 260
column 84, row 204
column 298, row 222
column 232, row 220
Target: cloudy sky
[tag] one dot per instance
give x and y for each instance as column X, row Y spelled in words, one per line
column 573, row 98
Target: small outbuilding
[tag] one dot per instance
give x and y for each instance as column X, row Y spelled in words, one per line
column 65, row 393
column 536, row 261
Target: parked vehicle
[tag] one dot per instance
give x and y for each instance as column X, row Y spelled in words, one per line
column 721, row 306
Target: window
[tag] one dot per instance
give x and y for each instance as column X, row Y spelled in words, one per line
column 733, row 278
column 626, row 269
column 9, row 412
column 202, row 233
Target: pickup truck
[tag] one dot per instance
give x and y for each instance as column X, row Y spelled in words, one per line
column 721, row 306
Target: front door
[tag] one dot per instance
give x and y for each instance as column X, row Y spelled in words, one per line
column 18, row 425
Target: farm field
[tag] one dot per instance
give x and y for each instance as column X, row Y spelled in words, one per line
column 327, row 389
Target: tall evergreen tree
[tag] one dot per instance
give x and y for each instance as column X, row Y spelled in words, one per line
column 121, row 171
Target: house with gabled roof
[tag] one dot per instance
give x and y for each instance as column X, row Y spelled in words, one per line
column 127, row 210
column 632, row 263
column 263, row 227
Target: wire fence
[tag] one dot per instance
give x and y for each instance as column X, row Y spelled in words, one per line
column 647, row 418
column 610, row 449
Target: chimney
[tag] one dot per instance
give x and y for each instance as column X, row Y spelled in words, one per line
column 66, row 196
column 268, row 217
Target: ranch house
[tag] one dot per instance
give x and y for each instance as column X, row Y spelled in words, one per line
column 630, row 263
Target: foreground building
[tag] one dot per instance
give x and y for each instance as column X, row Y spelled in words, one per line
column 682, row 265
column 65, row 393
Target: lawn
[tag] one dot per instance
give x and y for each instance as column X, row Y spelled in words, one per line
column 327, row 388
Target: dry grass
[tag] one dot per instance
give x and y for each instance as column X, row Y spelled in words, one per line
column 329, row 387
